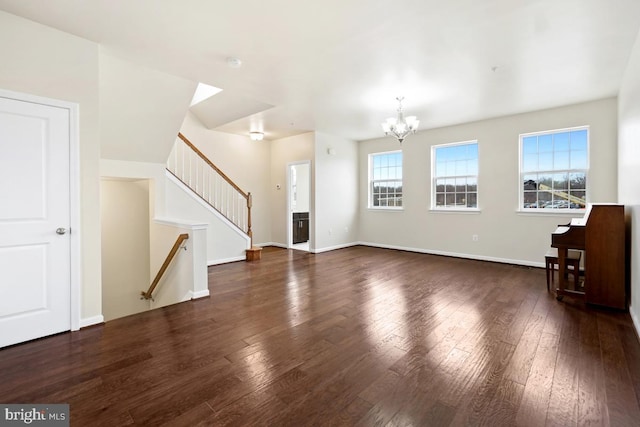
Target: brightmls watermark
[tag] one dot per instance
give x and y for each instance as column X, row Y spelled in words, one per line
column 54, row 415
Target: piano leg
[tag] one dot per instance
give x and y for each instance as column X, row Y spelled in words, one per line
column 562, row 266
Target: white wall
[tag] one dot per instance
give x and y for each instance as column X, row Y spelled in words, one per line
column 42, row 61
column 283, row 152
column 628, row 167
column 244, row 161
column 504, row 234
column 141, row 110
column 224, row 243
column 336, row 192
column 186, row 277
column 124, row 208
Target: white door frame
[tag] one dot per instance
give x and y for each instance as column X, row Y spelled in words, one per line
column 74, row 193
column 289, row 215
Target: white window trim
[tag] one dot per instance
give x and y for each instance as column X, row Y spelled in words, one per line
column 542, row 211
column 433, row 207
column 370, row 180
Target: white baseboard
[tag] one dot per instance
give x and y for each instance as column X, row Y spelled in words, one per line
column 90, row 321
column 225, row 260
column 525, row 263
column 278, row 245
column 457, row 255
column 333, row 248
column 200, row 294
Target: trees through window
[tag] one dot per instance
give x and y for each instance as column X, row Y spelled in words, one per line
column 455, row 176
column 385, row 180
column 553, row 169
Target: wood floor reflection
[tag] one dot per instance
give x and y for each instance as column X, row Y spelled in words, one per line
column 357, row 336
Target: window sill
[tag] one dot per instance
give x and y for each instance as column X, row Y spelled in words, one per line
column 551, row 212
column 376, row 209
column 470, row 211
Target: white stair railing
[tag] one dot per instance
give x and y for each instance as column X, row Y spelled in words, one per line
column 197, row 172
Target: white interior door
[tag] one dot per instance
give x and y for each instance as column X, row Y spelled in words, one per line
column 35, row 261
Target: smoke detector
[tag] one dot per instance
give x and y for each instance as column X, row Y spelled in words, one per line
column 234, row 62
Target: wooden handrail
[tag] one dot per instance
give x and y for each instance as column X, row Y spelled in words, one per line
column 207, row 161
column 181, row 238
column 247, row 196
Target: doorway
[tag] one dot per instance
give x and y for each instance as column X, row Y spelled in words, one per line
column 299, row 205
column 125, row 243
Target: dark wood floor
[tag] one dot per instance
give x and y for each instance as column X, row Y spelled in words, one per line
column 357, row 336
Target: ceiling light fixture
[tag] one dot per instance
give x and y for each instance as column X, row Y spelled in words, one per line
column 233, row 62
column 256, row 136
column 400, row 126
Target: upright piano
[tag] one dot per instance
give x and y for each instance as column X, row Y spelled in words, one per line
column 601, row 235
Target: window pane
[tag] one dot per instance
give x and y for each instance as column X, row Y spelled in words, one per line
column 530, row 182
column 561, row 160
column 472, row 151
column 579, row 140
column 472, row 184
column 450, row 185
column 461, row 167
column 530, row 162
column 450, row 168
column 545, row 161
column 461, row 199
column 578, row 181
column 450, row 199
column 440, row 185
column 560, row 181
column 578, row 199
column 545, row 143
column 472, row 200
column 561, row 141
column 530, row 145
column 440, row 169
column 472, row 167
column 544, row 199
column 530, row 199
column 439, row 199
column 545, row 182
column 578, row 159
column 461, row 185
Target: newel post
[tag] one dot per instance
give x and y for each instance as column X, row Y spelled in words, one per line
column 254, row 253
column 249, row 203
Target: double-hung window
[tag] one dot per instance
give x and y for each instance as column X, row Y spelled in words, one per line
column 553, row 169
column 385, row 180
column 455, row 176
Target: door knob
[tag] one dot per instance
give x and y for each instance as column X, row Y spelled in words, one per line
column 61, row 230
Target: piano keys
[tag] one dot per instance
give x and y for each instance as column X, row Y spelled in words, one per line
column 601, row 234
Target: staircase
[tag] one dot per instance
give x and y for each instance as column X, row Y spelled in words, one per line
column 191, row 167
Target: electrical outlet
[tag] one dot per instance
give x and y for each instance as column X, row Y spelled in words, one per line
column 474, row 237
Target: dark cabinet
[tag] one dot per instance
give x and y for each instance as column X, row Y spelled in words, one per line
column 300, row 227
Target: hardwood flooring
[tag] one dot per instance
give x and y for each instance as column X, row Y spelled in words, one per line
column 358, row 336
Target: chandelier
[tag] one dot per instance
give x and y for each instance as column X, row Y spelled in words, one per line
column 400, row 126
column 256, row 136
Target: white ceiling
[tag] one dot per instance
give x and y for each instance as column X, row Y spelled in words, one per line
column 336, row 66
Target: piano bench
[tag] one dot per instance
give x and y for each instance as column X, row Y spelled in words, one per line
column 572, row 260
